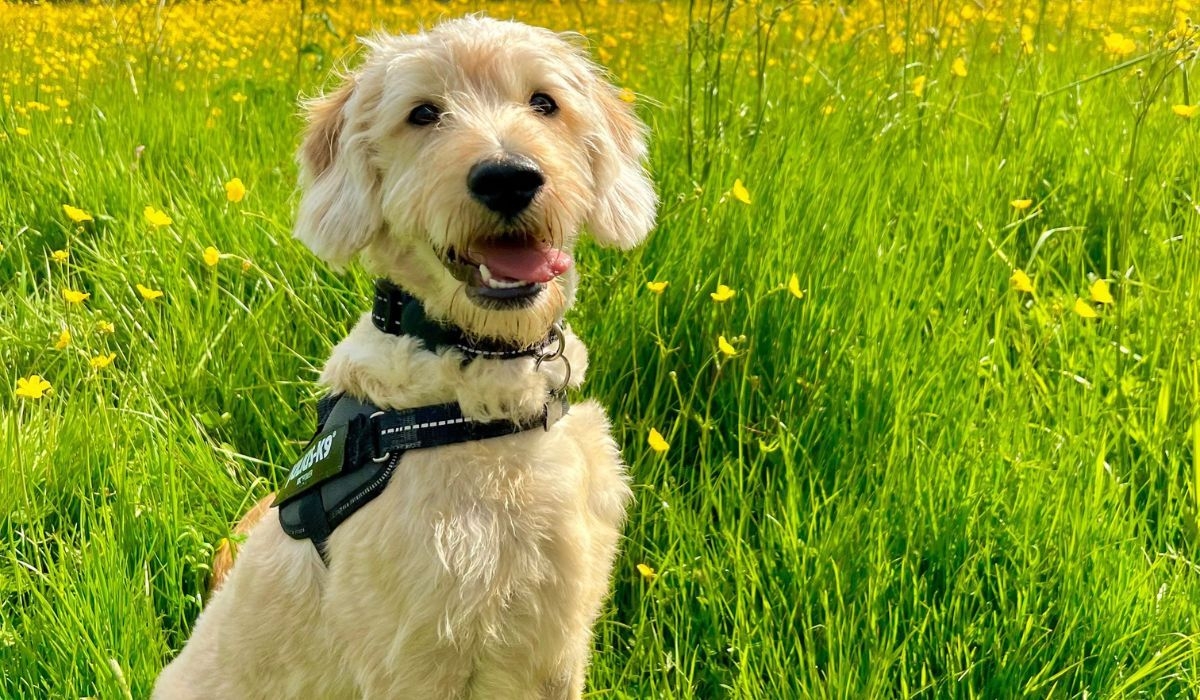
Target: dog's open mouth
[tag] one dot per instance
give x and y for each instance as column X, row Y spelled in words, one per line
column 511, row 270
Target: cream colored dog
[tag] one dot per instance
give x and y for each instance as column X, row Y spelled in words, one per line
column 460, row 163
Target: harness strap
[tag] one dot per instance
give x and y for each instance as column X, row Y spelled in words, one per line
column 357, row 448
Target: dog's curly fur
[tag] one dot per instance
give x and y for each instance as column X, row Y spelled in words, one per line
column 479, row 571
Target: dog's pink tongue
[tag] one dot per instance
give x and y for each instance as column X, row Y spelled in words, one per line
column 523, row 262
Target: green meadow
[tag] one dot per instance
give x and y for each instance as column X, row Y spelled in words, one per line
column 953, row 453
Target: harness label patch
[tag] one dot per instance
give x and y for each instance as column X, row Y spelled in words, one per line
column 322, row 460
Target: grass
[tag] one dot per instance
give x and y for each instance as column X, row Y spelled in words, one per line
column 915, row 481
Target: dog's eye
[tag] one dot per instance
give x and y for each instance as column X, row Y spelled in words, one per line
column 543, row 104
column 424, row 115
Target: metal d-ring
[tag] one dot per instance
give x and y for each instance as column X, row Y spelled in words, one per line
column 386, row 455
column 556, row 331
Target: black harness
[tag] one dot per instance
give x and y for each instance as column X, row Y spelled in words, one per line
column 357, row 446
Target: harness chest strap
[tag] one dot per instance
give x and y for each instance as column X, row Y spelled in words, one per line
column 355, row 452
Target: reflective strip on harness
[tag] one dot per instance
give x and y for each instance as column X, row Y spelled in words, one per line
column 356, row 450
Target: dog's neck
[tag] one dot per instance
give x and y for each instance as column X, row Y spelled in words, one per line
column 393, row 369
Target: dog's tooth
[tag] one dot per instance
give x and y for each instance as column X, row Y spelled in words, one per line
column 486, row 275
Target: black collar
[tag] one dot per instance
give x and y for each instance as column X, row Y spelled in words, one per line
column 397, row 312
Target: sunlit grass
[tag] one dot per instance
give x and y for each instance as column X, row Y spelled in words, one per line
column 907, row 376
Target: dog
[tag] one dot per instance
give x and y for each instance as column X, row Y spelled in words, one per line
column 460, row 165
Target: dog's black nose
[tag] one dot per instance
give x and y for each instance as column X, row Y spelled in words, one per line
column 505, row 186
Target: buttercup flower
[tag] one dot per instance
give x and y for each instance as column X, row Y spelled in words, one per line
column 76, row 214
column 102, row 361
column 1021, row 204
column 1100, row 292
column 647, row 572
column 793, row 286
column 33, row 387
column 59, row 256
column 212, row 256
column 959, row 67
column 64, row 339
column 235, row 190
column 1021, row 282
column 918, row 85
column 147, row 293
column 657, row 442
column 627, row 95
column 1119, row 45
column 723, row 293
column 106, row 327
column 657, row 287
column 740, row 193
column 1084, row 309
column 724, row 346
column 156, row 217
column 75, row 297
column 1185, row 111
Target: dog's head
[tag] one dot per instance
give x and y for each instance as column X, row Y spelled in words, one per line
column 462, row 163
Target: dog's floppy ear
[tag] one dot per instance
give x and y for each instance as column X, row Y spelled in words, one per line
column 625, row 198
column 339, row 211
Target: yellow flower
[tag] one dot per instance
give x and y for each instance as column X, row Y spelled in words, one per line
column 657, row 442
column 105, row 327
column 212, row 256
column 235, row 190
column 102, row 361
column 22, row 131
column 1186, row 111
column 156, row 217
column 724, row 346
column 1021, row 282
column 647, row 572
column 657, row 287
column 75, row 297
column 59, row 256
column 794, row 287
column 959, row 67
column 33, row 387
column 1119, row 45
column 238, row 97
column 64, row 339
column 896, row 45
column 1021, row 204
column 723, row 293
column 1100, row 292
column 1084, row 309
column 740, row 193
column 147, row 293
column 626, row 95
column 76, row 214
column 918, row 85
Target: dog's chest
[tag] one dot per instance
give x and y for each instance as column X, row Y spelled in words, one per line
column 468, row 540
